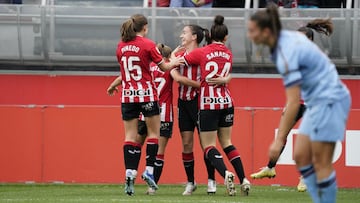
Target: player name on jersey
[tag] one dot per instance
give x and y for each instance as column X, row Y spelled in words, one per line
column 217, row 54
column 131, row 48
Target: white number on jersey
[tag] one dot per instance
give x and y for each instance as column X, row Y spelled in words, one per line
column 214, row 67
column 131, row 70
column 160, row 84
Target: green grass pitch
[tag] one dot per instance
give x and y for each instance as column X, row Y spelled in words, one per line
column 167, row 193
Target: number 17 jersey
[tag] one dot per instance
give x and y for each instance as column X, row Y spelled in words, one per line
column 215, row 60
column 134, row 58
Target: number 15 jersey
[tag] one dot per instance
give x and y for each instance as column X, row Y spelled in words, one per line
column 215, row 60
column 134, row 58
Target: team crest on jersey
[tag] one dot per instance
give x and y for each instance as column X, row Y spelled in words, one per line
column 229, row 118
column 216, row 100
column 139, row 93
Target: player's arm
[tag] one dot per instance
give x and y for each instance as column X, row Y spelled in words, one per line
column 112, row 89
column 175, row 74
column 287, row 120
column 219, row 80
column 164, row 66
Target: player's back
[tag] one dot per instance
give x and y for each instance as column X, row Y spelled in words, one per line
column 216, row 61
column 310, row 67
column 134, row 58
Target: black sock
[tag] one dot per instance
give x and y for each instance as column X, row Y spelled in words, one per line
column 210, row 168
column 234, row 157
column 151, row 151
column 216, row 159
column 159, row 164
column 188, row 161
column 132, row 154
column 137, row 156
column 271, row 163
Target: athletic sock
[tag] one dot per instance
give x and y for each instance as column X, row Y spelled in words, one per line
column 234, row 157
column 308, row 173
column 272, row 164
column 151, row 151
column 210, row 168
column 159, row 164
column 216, row 159
column 132, row 154
column 188, row 161
column 328, row 188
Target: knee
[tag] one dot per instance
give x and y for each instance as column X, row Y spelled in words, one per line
column 187, row 147
column 301, row 159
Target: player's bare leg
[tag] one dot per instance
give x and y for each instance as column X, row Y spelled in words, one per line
column 303, row 158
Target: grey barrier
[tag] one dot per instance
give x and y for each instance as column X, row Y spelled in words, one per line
column 82, row 35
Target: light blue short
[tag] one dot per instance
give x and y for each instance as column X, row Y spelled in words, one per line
column 326, row 122
column 306, row 6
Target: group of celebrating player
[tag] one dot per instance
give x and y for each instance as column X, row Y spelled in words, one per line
column 205, row 102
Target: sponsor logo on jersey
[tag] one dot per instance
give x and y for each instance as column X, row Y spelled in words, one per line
column 229, row 118
column 216, row 100
column 139, row 93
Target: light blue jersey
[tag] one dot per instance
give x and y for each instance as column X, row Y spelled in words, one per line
column 301, row 62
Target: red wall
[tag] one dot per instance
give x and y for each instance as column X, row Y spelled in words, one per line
column 83, row 143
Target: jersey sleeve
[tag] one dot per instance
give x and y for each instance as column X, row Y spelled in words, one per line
column 288, row 66
column 155, row 55
column 194, row 57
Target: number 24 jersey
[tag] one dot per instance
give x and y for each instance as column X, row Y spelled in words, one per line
column 215, row 60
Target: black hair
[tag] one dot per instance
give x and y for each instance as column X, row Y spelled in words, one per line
column 323, row 26
column 268, row 18
column 219, row 30
column 200, row 33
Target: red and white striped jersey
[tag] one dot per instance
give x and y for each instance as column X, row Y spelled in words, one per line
column 188, row 93
column 163, row 82
column 134, row 58
column 214, row 59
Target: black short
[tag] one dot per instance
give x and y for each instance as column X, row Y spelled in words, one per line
column 188, row 114
column 132, row 110
column 165, row 129
column 211, row 120
column 300, row 112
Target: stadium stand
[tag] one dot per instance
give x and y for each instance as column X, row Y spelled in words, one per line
column 83, row 34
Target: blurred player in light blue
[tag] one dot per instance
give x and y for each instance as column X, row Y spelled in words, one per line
column 308, row 72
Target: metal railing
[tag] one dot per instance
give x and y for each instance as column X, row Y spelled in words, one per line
column 49, row 34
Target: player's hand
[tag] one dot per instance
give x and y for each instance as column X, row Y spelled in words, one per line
column 199, row 3
column 219, row 80
column 177, row 61
column 275, row 149
column 112, row 90
column 178, row 49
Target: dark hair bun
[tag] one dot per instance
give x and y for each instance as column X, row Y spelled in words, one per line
column 219, row 20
